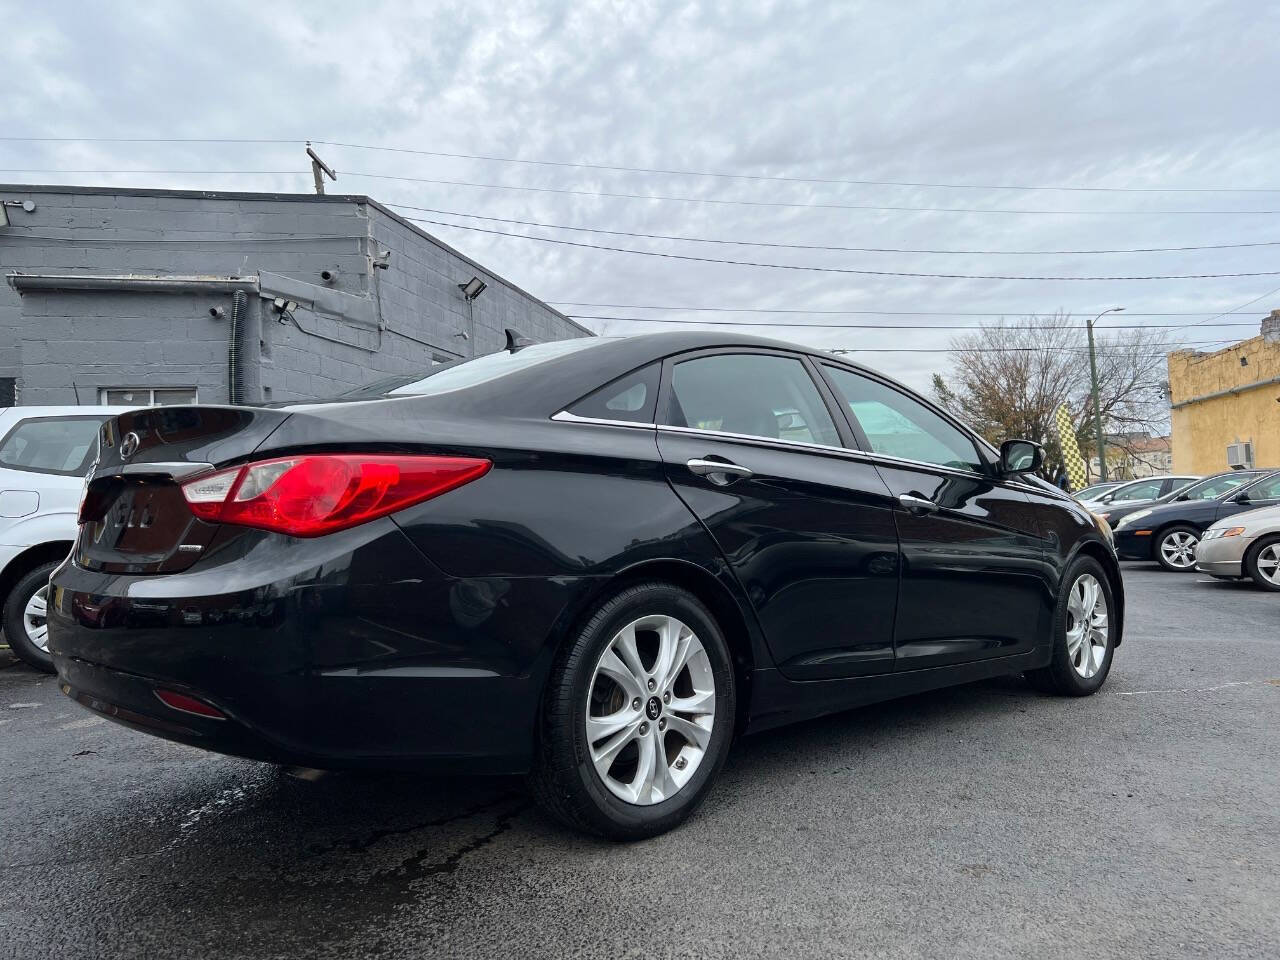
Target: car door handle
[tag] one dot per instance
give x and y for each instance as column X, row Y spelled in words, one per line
column 720, row 472
column 917, row 505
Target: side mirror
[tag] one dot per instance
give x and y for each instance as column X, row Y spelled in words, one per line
column 1106, row 497
column 1242, row 497
column 1020, row 456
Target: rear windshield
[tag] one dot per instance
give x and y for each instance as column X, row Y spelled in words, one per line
column 469, row 373
column 62, row 445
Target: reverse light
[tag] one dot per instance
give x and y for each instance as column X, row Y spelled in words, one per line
column 311, row 495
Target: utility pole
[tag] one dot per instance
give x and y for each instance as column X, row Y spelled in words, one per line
column 1097, row 406
column 318, row 170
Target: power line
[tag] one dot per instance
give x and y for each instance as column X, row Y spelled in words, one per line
column 900, row 208
column 841, row 270
column 886, row 326
column 882, row 313
column 586, row 165
column 1203, row 323
column 895, row 208
column 844, row 249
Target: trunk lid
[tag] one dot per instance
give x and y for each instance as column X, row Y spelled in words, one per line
column 137, row 520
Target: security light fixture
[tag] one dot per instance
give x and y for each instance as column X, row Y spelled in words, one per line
column 472, row 288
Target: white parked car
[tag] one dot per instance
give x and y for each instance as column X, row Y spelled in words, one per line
column 45, row 453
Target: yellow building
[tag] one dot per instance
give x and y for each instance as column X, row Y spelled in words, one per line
column 1231, row 396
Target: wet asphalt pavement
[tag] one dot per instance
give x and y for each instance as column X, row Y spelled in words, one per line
column 985, row 821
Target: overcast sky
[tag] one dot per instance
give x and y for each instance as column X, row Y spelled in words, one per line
column 1125, row 94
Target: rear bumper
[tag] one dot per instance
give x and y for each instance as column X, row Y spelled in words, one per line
column 347, row 651
column 1129, row 546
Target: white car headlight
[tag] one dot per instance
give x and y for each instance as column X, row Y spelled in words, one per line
column 1133, row 518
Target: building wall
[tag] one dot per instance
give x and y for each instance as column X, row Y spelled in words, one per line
column 360, row 325
column 1217, row 401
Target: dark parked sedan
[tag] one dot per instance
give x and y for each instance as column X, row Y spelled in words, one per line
column 595, row 561
column 1168, row 532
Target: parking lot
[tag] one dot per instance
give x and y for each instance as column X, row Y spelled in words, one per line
column 985, row 821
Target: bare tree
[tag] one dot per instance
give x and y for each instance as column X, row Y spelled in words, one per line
column 1010, row 379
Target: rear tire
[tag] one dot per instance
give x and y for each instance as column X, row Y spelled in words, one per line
column 1175, row 548
column 25, row 627
column 1083, row 633
column 651, row 675
column 1262, row 562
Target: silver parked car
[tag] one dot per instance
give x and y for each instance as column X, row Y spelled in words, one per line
column 1243, row 545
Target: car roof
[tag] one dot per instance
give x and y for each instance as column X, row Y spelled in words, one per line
column 564, row 377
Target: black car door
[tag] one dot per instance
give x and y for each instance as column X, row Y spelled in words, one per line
column 750, row 442
column 972, row 574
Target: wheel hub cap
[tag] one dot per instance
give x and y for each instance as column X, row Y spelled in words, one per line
column 650, row 710
column 36, row 619
column 1179, row 548
column 1088, row 628
column 1269, row 563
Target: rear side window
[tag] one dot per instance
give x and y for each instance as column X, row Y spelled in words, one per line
column 756, row 395
column 898, row 426
column 630, row 398
column 61, row 445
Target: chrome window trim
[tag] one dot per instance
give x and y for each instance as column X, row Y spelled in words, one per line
column 803, row 447
column 564, row 416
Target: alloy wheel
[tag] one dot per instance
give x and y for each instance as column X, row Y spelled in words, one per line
column 35, row 619
column 1268, row 563
column 1088, row 627
column 1179, row 549
column 650, row 710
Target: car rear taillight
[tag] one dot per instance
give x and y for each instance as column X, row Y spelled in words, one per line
column 311, row 495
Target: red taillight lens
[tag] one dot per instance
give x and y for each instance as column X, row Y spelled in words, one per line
column 311, row 495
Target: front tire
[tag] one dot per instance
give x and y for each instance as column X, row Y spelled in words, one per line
column 1175, row 548
column 1083, row 631
column 638, row 715
column 26, row 625
column 1263, row 563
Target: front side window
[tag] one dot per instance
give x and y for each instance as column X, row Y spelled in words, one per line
column 1214, row 487
column 752, row 394
column 62, row 445
column 898, row 426
column 1268, row 489
column 1147, row 490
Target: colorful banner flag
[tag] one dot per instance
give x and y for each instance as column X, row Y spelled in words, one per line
column 1077, row 473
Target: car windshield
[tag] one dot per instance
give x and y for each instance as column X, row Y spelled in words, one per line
column 1212, row 487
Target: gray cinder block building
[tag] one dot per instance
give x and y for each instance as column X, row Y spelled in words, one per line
column 160, row 296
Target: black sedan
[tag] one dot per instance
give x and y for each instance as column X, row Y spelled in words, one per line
column 1168, row 532
column 595, row 561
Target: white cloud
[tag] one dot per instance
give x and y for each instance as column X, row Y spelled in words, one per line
column 1122, row 94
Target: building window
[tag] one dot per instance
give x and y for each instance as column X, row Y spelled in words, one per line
column 147, row 396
